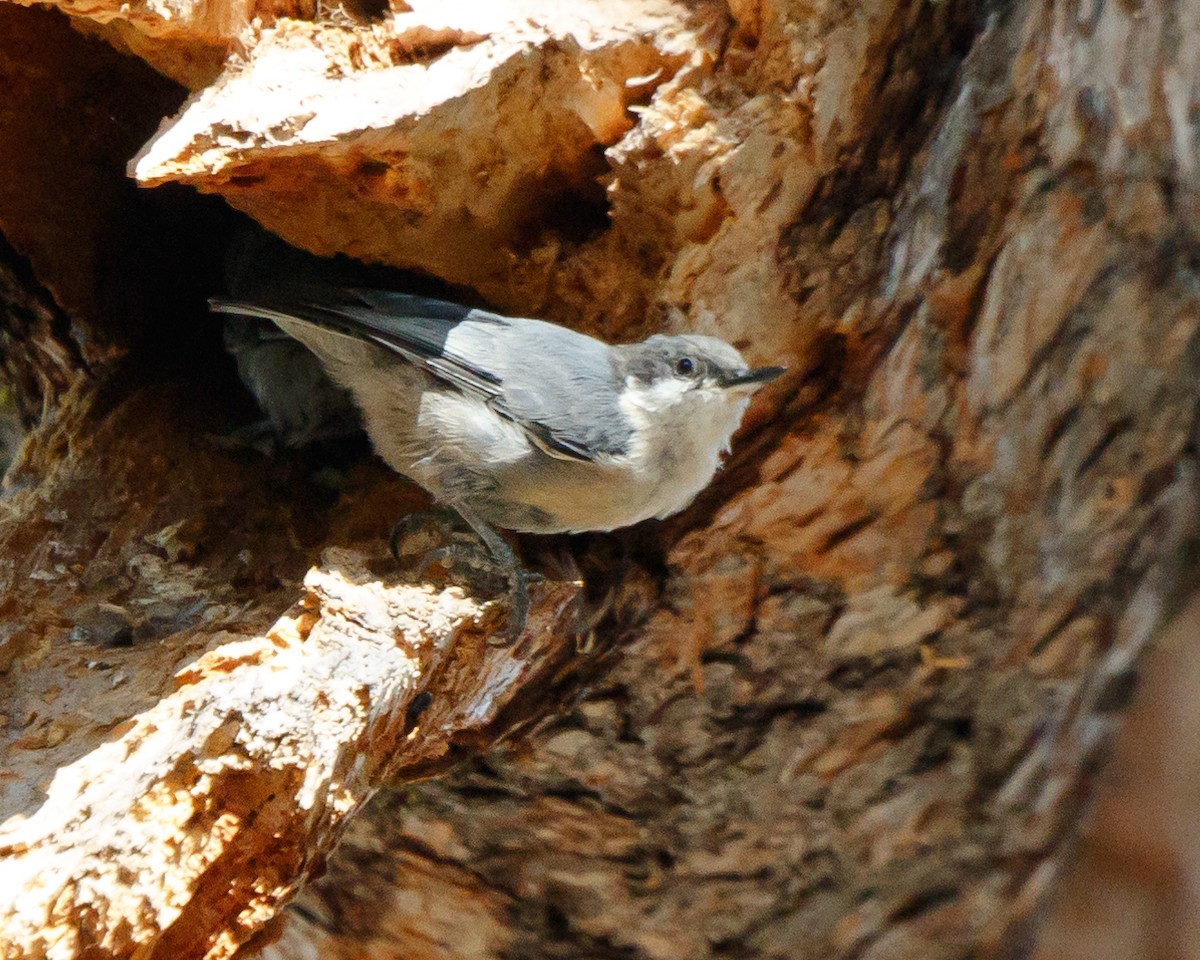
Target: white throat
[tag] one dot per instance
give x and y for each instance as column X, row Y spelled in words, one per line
column 680, row 433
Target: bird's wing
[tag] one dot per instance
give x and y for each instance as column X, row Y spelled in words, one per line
column 544, row 378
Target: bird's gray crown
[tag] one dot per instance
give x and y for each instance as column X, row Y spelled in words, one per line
column 689, row 356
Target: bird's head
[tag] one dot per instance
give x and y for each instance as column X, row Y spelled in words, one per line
column 670, row 380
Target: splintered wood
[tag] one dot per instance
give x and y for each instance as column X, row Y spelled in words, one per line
column 437, row 140
column 179, row 757
column 206, row 811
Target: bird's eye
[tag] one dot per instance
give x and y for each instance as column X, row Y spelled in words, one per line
column 685, row 366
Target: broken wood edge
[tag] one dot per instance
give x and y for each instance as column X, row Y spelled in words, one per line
column 184, row 833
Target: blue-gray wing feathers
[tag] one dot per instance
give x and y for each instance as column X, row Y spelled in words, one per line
column 561, row 387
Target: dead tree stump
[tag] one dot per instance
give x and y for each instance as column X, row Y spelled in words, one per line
column 852, row 704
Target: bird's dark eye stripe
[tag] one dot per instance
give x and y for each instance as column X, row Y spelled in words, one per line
column 685, row 365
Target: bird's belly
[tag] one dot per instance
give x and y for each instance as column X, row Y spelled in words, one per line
column 462, row 452
column 558, row 496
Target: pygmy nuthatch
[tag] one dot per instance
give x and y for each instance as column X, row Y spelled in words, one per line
column 523, row 424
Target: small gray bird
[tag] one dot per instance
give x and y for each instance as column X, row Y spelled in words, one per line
column 523, row 424
column 302, row 405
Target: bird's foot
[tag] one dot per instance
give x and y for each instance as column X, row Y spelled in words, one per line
column 471, row 559
column 486, row 560
column 491, row 574
column 418, row 533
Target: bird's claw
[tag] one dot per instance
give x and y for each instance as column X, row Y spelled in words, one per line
column 518, row 609
column 489, row 556
column 481, row 561
column 440, row 520
column 470, row 555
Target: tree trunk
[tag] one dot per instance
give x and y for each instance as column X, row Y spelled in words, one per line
column 850, row 704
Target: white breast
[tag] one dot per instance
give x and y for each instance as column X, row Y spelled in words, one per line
column 680, row 434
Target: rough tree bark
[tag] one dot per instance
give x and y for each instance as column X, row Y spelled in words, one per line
column 851, row 704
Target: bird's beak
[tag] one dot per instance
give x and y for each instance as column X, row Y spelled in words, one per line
column 751, row 380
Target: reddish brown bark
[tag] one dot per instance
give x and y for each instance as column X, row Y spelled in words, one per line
column 851, row 704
